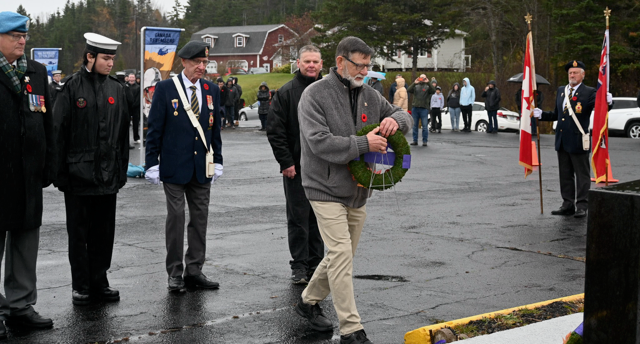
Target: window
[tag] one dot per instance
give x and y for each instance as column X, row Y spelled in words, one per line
column 424, row 53
column 239, row 41
column 624, row 104
column 478, row 107
column 280, row 38
column 209, row 41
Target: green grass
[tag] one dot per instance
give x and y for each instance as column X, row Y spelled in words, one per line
column 250, row 84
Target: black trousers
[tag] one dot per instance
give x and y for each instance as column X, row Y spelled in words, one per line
column 436, row 119
column 305, row 243
column 263, row 121
column 466, row 115
column 136, row 126
column 91, row 224
column 575, row 179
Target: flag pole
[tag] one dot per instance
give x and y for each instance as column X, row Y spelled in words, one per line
column 607, row 14
column 528, row 18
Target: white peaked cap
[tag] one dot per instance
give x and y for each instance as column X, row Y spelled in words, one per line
column 101, row 44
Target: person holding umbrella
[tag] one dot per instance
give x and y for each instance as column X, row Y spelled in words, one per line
column 538, row 96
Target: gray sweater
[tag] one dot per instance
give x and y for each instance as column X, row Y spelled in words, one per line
column 328, row 138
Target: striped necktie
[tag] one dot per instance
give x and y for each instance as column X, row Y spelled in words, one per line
column 566, row 106
column 194, row 101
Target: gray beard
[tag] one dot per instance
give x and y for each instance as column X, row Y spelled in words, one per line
column 354, row 83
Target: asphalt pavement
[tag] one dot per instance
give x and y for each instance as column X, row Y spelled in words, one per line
column 461, row 235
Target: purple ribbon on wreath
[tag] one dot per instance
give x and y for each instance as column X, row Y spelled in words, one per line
column 388, row 159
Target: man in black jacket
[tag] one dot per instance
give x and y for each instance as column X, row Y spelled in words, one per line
column 134, row 112
column 56, row 86
column 573, row 160
column 91, row 124
column 492, row 105
column 26, row 166
column 305, row 243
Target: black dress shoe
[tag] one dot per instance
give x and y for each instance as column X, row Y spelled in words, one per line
column 580, row 213
column 200, row 281
column 176, row 284
column 106, row 294
column 31, row 320
column 358, row 337
column 314, row 315
column 80, row 297
column 564, row 211
column 3, row 331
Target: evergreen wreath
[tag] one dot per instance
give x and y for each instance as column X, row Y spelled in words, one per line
column 363, row 174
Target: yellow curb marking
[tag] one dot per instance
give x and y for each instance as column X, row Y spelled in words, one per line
column 421, row 335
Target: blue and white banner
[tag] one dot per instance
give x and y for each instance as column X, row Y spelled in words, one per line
column 48, row 57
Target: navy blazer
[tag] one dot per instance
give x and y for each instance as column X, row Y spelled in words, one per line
column 174, row 140
column 568, row 136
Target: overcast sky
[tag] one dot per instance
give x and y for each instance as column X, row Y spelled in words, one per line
column 42, row 8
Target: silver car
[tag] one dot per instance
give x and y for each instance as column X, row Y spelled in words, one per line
column 250, row 112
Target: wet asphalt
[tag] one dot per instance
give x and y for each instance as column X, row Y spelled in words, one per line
column 461, row 235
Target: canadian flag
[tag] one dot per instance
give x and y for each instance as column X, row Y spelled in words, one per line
column 528, row 104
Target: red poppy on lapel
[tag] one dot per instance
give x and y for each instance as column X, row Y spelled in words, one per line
column 574, row 98
column 29, row 88
column 111, row 100
column 206, row 87
column 364, row 117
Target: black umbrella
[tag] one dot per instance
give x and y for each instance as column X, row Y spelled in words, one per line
column 540, row 80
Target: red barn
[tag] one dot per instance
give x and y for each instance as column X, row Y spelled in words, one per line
column 246, row 47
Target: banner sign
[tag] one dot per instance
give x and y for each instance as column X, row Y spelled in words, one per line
column 160, row 46
column 48, row 57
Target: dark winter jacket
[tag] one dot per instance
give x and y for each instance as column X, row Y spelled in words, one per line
column 282, row 122
column 453, row 98
column 421, row 94
column 377, row 85
column 263, row 97
column 91, row 126
column 55, row 88
column 27, row 150
column 492, row 97
column 135, row 92
column 232, row 96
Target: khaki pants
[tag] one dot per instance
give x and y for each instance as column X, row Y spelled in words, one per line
column 340, row 227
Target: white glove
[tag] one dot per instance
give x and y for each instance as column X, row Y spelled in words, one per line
column 537, row 113
column 217, row 173
column 153, row 175
column 609, row 98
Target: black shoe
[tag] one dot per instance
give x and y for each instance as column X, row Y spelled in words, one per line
column 200, row 281
column 424, row 144
column 314, row 315
column 106, row 294
column 80, row 297
column 439, row 131
column 299, row 276
column 563, row 211
column 132, row 147
column 3, row 331
column 414, row 143
column 358, row 337
column 31, row 320
column 580, row 213
column 176, row 284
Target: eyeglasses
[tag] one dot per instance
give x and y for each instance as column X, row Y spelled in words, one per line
column 359, row 66
column 16, row 36
column 198, row 62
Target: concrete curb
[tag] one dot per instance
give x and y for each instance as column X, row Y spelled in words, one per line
column 422, row 336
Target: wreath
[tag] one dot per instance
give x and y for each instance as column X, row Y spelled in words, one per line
column 381, row 180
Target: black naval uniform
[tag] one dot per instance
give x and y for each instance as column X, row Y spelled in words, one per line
column 56, row 88
column 91, row 123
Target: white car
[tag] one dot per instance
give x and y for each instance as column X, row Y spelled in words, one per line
column 624, row 118
column 507, row 120
column 250, row 112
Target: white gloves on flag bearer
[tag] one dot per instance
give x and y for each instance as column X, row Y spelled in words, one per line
column 216, row 173
column 153, row 175
column 537, row 113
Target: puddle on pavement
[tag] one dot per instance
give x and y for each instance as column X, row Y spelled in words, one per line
column 382, row 278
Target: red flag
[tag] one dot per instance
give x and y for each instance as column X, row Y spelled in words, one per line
column 600, row 141
column 528, row 104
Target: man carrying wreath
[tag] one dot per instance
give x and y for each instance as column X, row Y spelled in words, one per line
column 331, row 111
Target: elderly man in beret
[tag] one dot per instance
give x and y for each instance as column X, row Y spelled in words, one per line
column 26, row 163
column 184, row 127
column 574, row 104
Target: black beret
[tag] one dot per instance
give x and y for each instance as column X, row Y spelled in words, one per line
column 194, row 49
column 574, row 64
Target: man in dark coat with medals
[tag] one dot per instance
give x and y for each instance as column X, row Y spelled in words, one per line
column 574, row 99
column 178, row 141
column 26, row 166
column 91, row 123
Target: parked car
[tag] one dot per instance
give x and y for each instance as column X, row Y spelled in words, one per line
column 258, row 70
column 238, row 71
column 507, row 120
column 624, row 118
column 250, row 112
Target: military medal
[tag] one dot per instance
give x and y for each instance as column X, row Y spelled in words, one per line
column 26, row 79
column 32, row 103
column 81, row 103
column 44, row 109
column 210, row 119
column 174, row 102
column 578, row 108
column 210, row 102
